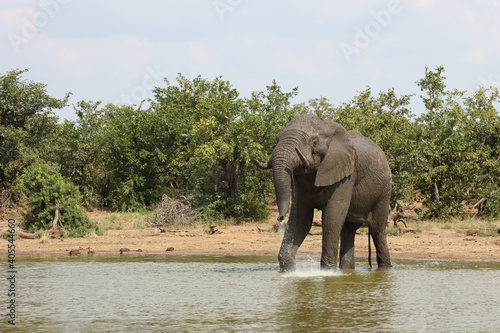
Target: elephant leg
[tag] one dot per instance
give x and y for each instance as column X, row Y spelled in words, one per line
column 347, row 245
column 378, row 230
column 297, row 228
column 334, row 214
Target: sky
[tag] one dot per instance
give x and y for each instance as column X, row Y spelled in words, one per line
column 116, row 51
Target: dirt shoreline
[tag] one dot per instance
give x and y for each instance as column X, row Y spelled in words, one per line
column 257, row 239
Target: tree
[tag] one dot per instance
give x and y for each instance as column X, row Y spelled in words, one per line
column 215, row 136
column 456, row 146
column 481, row 132
column 82, row 155
column 28, row 127
column 319, row 106
column 45, row 188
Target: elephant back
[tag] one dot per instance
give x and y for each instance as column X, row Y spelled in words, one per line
column 371, row 162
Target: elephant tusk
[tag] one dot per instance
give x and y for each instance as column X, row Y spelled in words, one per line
column 263, row 165
column 305, row 163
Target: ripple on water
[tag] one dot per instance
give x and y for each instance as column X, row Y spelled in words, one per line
column 241, row 294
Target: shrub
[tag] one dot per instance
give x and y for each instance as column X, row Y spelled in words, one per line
column 43, row 187
column 492, row 206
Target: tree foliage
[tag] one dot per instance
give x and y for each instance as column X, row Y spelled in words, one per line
column 27, row 124
column 198, row 138
column 456, row 149
column 215, row 136
column 44, row 187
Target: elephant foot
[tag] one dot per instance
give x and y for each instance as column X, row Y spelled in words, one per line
column 384, row 265
column 347, row 264
column 287, row 269
column 384, row 262
column 328, row 267
column 286, row 265
column 329, row 261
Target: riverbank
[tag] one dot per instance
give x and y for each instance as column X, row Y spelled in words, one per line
column 427, row 240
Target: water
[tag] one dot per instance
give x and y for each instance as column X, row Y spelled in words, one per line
column 166, row 293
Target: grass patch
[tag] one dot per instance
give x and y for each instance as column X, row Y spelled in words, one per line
column 363, row 231
column 415, row 226
column 43, row 236
column 131, row 235
column 122, row 221
column 487, row 231
column 447, row 226
column 485, row 228
column 395, row 231
column 94, row 234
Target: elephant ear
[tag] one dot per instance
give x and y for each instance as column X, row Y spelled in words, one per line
column 338, row 162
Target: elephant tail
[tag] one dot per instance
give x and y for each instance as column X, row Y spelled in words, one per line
column 369, row 249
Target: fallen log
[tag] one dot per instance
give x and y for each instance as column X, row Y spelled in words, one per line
column 406, row 230
column 213, row 230
column 21, row 234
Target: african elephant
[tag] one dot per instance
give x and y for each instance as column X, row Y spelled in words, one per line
column 318, row 164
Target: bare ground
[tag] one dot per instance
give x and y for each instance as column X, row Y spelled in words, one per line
column 258, row 238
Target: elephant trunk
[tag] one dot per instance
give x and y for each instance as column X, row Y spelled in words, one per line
column 284, row 162
column 283, row 188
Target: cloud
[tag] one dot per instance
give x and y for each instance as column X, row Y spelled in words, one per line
column 199, row 53
column 477, row 29
column 201, row 61
column 101, row 49
column 292, row 63
column 11, row 19
column 422, row 4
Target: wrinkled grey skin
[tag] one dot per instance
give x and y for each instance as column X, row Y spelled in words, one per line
column 318, row 164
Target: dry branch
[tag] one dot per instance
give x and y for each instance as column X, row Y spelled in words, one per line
column 396, row 216
column 54, row 232
column 480, row 204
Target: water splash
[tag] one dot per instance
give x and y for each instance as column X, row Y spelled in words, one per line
column 282, row 225
column 312, row 273
column 308, row 267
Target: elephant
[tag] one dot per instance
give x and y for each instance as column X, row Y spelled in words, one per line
column 318, row 164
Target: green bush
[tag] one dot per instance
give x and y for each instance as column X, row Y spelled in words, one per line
column 199, row 138
column 248, row 210
column 492, row 206
column 43, row 187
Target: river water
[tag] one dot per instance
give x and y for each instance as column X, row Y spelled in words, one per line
column 165, row 293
